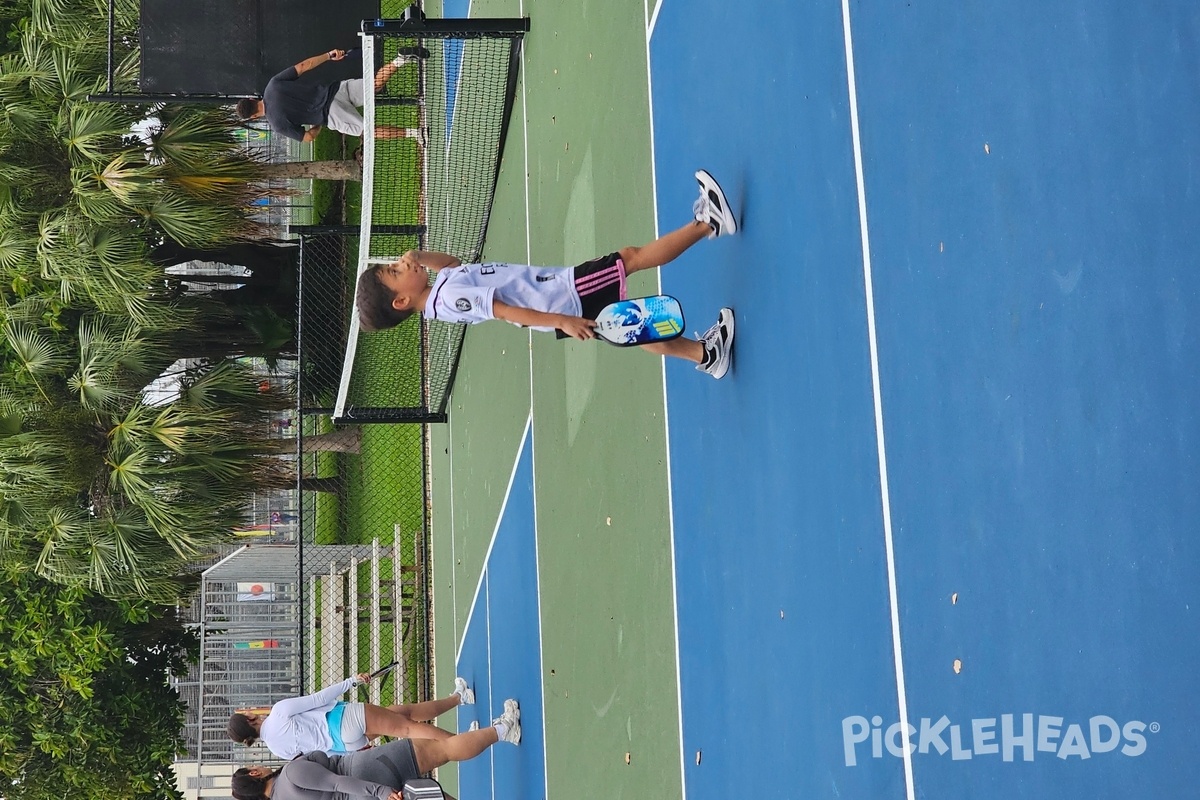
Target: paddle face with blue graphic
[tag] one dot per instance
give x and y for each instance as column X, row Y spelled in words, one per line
column 640, row 320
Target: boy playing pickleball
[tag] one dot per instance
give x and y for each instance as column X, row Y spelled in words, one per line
column 561, row 299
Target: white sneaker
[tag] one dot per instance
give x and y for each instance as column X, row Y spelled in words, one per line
column 713, row 208
column 466, row 695
column 511, row 719
column 402, row 60
column 416, row 134
column 718, row 345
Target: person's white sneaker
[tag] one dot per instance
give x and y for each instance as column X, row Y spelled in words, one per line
column 511, row 720
column 713, row 207
column 466, row 696
column 718, row 346
column 402, row 60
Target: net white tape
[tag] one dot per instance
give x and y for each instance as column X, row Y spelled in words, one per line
column 368, row 194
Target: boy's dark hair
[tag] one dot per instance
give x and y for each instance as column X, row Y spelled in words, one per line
column 374, row 302
column 240, row 729
column 244, row 786
column 247, row 107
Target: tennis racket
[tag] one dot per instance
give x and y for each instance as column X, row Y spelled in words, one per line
column 384, row 670
column 640, row 320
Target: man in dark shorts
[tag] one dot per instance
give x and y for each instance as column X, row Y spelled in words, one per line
column 290, row 104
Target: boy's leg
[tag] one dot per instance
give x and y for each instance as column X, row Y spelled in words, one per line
column 687, row 349
column 713, row 217
column 712, row 354
column 664, row 249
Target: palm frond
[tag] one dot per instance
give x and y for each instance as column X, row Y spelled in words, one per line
column 30, row 309
column 17, row 249
column 15, row 174
column 94, row 130
column 129, row 474
column 219, row 386
column 171, row 429
column 13, row 404
column 25, row 118
column 95, row 382
column 94, row 200
column 73, row 82
column 195, row 224
column 59, row 20
column 36, row 354
column 116, row 555
column 141, row 351
column 38, row 67
column 191, row 138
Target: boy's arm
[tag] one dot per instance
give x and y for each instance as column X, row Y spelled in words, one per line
column 432, row 259
column 577, row 327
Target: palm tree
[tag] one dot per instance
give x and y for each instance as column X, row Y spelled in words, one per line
column 102, row 490
column 98, row 488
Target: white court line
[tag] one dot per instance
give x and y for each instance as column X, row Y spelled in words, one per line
column 650, row 28
column 650, row 24
column 491, row 698
column 878, row 398
column 491, row 544
column 537, row 582
column 537, row 550
column 453, row 553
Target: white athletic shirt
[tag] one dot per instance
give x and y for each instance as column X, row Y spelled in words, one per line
column 466, row 293
column 297, row 725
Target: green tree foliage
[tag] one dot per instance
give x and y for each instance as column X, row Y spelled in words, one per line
column 85, row 707
column 12, row 14
column 105, row 497
column 98, row 488
column 103, row 491
column 84, row 201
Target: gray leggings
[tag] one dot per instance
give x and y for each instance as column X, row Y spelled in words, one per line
column 391, row 764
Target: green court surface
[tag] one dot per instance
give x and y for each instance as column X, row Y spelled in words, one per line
column 576, row 183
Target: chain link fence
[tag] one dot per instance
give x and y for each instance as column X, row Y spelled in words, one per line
column 332, row 578
column 363, row 494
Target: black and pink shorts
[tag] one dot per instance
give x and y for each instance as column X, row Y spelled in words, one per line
column 599, row 283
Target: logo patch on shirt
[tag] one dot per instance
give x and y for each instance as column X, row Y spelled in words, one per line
column 544, row 278
column 462, row 304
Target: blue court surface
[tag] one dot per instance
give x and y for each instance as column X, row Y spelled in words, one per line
column 500, row 654
column 964, row 500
